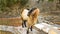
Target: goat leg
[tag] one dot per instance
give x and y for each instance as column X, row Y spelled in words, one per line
column 28, row 31
column 25, row 23
column 31, row 28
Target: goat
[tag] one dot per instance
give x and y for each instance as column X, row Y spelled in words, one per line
column 32, row 18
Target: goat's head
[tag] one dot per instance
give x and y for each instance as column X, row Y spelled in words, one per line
column 31, row 11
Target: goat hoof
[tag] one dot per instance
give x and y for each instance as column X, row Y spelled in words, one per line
column 27, row 32
column 31, row 29
column 22, row 26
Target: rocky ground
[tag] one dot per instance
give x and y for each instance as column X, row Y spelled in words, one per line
column 19, row 30
column 51, row 17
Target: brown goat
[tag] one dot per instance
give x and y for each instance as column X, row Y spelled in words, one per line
column 32, row 18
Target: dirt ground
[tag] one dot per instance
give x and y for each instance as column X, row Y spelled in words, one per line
column 5, row 32
column 11, row 21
